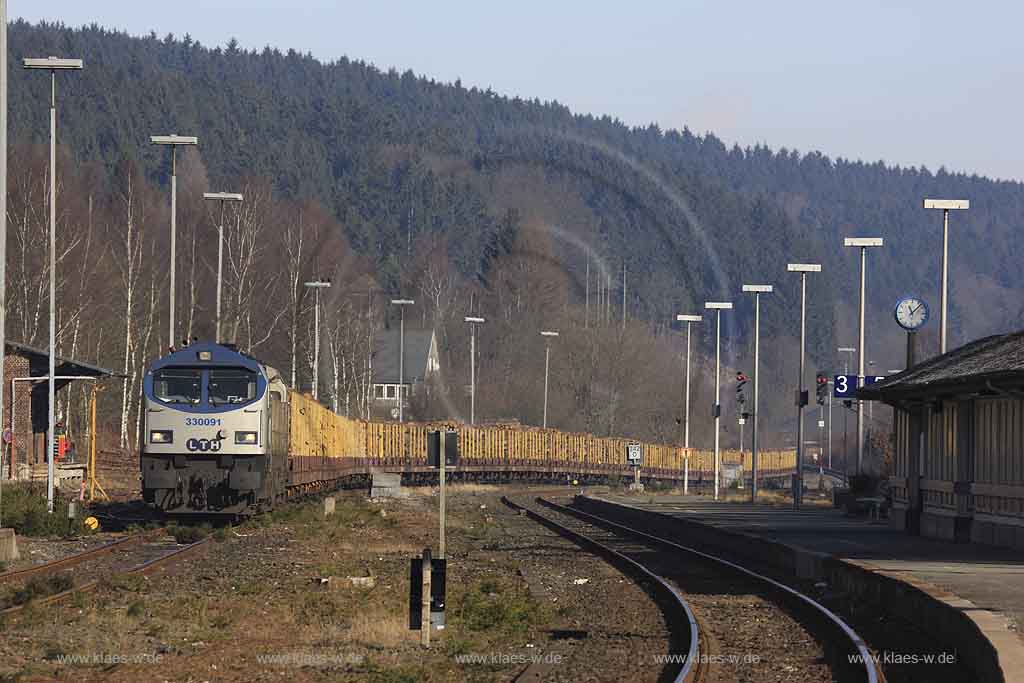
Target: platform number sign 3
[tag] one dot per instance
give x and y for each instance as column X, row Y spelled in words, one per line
column 844, row 386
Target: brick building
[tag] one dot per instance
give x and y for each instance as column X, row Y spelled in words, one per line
column 25, row 402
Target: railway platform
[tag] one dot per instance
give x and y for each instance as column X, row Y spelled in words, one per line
column 961, row 589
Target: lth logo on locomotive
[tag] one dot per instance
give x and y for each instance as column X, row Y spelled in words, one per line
column 205, row 445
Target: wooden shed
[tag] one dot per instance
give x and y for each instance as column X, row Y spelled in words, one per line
column 958, row 472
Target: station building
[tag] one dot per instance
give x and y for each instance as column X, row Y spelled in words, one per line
column 26, row 409
column 958, row 470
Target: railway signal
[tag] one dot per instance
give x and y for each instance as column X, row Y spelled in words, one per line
column 741, row 381
column 822, row 388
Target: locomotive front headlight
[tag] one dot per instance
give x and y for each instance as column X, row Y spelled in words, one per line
column 161, row 436
column 248, row 438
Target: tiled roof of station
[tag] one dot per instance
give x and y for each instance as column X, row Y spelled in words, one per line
column 990, row 359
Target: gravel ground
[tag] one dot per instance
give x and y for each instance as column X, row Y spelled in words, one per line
column 271, row 600
column 746, row 636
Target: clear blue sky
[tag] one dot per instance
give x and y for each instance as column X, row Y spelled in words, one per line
column 933, row 83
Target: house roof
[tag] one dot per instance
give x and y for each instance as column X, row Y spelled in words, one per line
column 62, row 365
column 981, row 364
column 385, row 356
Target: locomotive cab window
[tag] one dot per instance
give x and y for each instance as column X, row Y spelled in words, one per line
column 178, row 385
column 231, row 385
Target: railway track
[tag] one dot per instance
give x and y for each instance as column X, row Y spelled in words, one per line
column 731, row 622
column 138, row 555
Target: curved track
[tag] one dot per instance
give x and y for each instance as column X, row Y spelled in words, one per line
column 710, row 591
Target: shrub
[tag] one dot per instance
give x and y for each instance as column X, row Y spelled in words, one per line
column 23, row 507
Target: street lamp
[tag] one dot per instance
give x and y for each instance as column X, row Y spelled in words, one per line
column 173, row 141
column 946, row 205
column 547, row 334
column 688, row 319
column 222, row 197
column 473, row 322
column 53, row 65
column 3, row 201
column 801, row 398
column 316, row 286
column 718, row 307
column 757, row 291
column 401, row 303
column 862, row 243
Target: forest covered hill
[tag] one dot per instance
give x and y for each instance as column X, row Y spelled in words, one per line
column 516, row 208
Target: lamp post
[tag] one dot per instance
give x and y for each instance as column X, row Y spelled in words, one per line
column 402, row 303
column 946, row 205
column 862, row 243
column 688, row 319
column 757, row 291
column 173, row 141
column 223, row 198
column 718, row 307
column 801, row 398
column 316, row 286
column 53, row 65
column 547, row 334
column 3, row 206
column 473, row 322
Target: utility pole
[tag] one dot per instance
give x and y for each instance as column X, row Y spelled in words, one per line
column 53, row 65
column 688, row 319
column 801, row 397
column 316, row 286
column 223, row 198
column 3, row 213
column 473, row 322
column 718, row 307
column 757, row 291
column 401, row 303
column 173, row 141
column 946, row 205
column 862, row 243
column 547, row 334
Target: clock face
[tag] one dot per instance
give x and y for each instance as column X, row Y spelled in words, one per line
column 911, row 313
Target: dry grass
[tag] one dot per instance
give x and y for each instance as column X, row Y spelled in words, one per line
column 380, row 629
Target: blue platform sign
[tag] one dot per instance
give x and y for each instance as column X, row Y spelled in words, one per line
column 844, row 386
column 871, row 379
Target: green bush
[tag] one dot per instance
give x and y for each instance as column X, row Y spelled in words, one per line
column 188, row 534
column 23, row 507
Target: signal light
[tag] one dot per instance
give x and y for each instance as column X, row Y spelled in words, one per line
column 822, row 388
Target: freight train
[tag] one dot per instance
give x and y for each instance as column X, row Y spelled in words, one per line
column 223, row 434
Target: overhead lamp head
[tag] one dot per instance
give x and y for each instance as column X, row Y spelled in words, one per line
column 947, row 204
column 862, row 242
column 174, row 139
column 51, row 63
column 223, row 196
column 803, row 267
column 718, row 305
column 688, row 318
column 759, row 289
